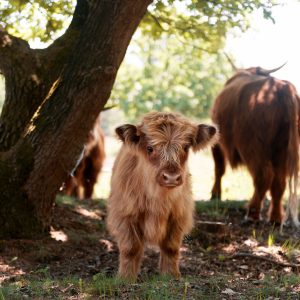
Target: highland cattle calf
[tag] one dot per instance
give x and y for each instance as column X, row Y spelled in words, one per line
column 151, row 199
column 258, row 119
column 81, row 183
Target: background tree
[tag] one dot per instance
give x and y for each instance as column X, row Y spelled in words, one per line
column 176, row 62
column 166, row 74
column 54, row 95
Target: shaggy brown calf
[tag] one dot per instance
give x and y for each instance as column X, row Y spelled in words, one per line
column 151, row 200
column 81, row 184
column 258, row 119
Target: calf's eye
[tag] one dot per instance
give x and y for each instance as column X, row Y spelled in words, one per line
column 149, row 149
column 186, row 148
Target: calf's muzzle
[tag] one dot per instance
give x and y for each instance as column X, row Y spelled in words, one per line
column 169, row 179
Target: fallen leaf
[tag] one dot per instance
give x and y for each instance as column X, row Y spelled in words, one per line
column 229, row 292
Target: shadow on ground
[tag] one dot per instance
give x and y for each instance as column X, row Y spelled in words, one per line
column 222, row 258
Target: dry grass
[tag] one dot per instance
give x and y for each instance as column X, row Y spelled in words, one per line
column 236, row 185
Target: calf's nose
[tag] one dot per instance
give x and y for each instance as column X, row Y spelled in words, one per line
column 171, row 179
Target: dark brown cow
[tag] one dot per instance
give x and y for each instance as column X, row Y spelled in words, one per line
column 81, row 183
column 257, row 116
column 151, row 200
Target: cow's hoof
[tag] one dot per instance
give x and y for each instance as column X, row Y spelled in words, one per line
column 250, row 221
column 274, row 223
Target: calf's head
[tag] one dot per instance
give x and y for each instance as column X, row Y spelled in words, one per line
column 163, row 141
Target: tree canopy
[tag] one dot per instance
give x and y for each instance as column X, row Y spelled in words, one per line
column 204, row 21
column 179, row 45
column 35, row 19
column 166, row 74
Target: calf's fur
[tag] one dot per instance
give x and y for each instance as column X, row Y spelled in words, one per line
column 151, row 199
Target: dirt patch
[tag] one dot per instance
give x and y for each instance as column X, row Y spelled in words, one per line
column 223, row 258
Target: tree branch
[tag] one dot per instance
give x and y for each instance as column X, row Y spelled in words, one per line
column 156, row 20
column 12, row 51
column 30, row 74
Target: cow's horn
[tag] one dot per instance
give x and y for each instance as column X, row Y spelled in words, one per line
column 233, row 66
column 267, row 72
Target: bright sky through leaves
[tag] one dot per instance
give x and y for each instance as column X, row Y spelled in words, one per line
column 269, row 45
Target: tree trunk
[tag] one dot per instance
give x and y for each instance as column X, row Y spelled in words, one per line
column 53, row 98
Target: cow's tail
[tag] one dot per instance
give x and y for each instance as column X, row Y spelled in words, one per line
column 291, row 100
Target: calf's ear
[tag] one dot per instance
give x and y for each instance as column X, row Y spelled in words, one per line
column 207, row 135
column 128, row 134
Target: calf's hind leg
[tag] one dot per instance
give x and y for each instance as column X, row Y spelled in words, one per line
column 220, row 166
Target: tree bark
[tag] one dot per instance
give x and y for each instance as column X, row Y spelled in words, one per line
column 58, row 93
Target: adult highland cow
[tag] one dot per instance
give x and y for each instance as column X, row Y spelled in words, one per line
column 151, row 200
column 258, row 119
column 81, row 183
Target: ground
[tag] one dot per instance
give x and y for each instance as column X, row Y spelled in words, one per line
column 222, row 258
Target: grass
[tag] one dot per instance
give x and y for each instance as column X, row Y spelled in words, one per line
column 74, row 202
column 281, row 287
column 217, row 208
column 157, row 287
column 40, row 284
column 43, row 288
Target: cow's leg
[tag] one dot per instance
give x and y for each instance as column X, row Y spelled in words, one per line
column 169, row 250
column 131, row 249
column 70, row 185
column 277, row 190
column 79, row 178
column 92, row 170
column 262, row 179
column 220, row 166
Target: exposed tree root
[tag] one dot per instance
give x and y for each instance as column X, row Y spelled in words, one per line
column 273, row 261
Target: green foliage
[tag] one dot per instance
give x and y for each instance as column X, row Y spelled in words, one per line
column 190, row 19
column 202, row 21
column 176, row 61
column 166, row 74
column 35, row 19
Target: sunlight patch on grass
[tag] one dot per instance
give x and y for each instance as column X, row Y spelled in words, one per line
column 87, row 213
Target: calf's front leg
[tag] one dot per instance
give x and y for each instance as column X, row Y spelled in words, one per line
column 170, row 250
column 131, row 248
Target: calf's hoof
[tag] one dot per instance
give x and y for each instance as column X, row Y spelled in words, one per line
column 127, row 278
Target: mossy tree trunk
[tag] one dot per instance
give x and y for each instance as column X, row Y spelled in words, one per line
column 53, row 97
